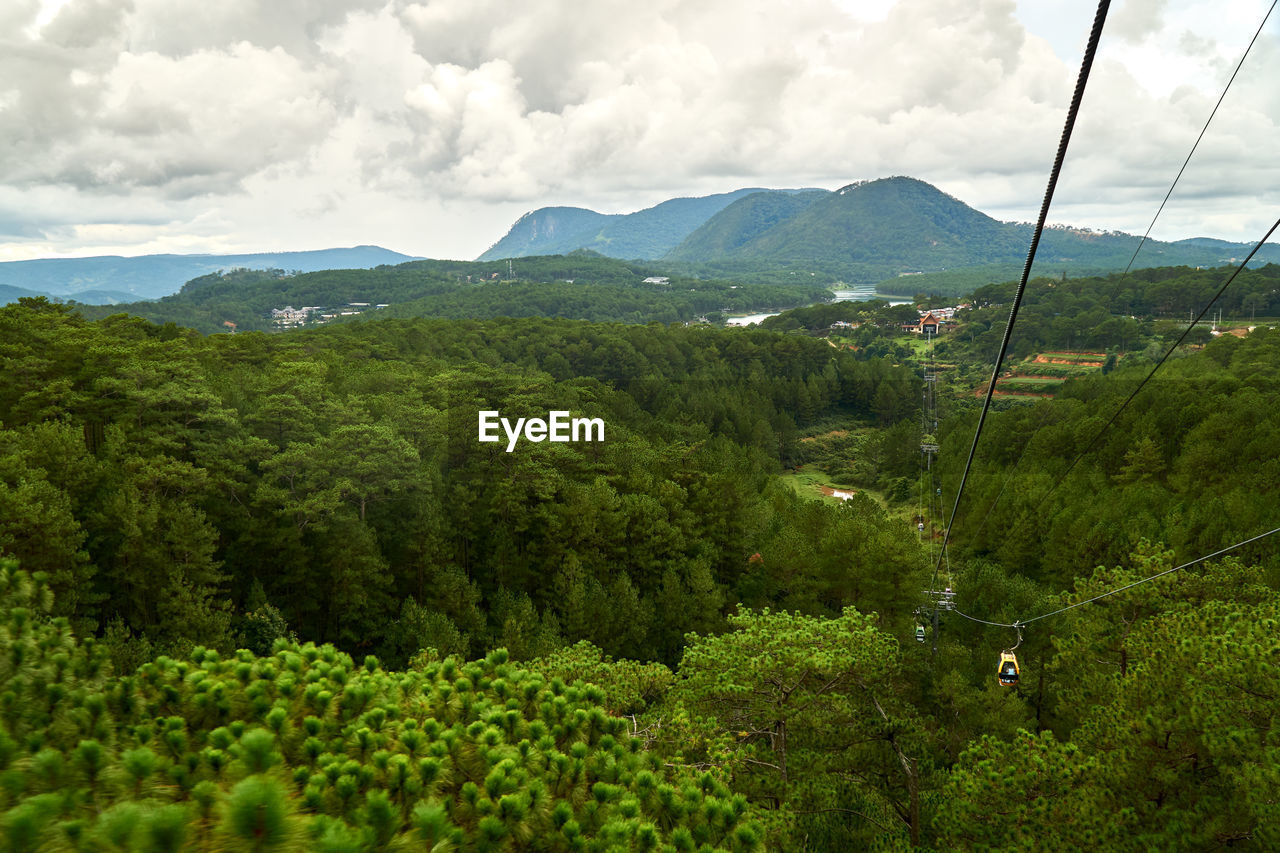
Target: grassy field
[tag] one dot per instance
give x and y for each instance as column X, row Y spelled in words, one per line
column 808, row 482
column 919, row 343
column 1037, row 381
column 1078, row 357
column 1040, row 374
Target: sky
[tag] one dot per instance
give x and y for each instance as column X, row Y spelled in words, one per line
column 141, row 126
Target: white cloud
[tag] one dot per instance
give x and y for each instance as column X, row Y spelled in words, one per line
column 1137, row 19
column 195, row 124
column 420, row 117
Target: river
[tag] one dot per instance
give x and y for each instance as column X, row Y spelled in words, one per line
column 853, row 294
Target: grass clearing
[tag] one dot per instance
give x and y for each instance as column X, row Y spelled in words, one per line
column 1076, row 357
column 808, row 482
column 835, row 433
column 1031, row 381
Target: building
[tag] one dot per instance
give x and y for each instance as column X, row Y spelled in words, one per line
column 929, row 324
column 289, row 317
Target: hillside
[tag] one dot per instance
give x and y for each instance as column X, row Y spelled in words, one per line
column 272, row 592
column 645, row 235
column 870, row 230
column 867, row 232
column 582, row 285
column 741, row 222
column 882, row 230
column 153, row 276
column 548, row 231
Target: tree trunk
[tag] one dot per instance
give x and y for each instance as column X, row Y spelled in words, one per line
column 913, row 781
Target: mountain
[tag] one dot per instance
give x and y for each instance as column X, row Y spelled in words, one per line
column 868, row 230
column 101, row 297
column 876, row 230
column 741, row 222
column 9, row 293
column 548, row 231
column 645, row 235
column 153, row 276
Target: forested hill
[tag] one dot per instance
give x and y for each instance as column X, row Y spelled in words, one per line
column 1189, row 462
column 645, row 234
column 119, row 279
column 869, row 232
column 870, row 229
column 876, row 230
column 349, row 455
column 264, row 585
column 742, row 222
column 582, row 286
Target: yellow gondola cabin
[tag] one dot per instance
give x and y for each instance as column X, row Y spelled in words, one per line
column 1007, row 672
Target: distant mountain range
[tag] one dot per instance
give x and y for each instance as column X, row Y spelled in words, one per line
column 110, row 279
column 866, row 232
column 870, row 232
column 644, row 235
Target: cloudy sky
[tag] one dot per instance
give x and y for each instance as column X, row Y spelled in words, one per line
column 139, row 126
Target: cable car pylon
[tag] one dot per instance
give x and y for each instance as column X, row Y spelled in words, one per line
column 938, row 599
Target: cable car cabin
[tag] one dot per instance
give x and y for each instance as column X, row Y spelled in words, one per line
column 1008, row 670
column 919, row 633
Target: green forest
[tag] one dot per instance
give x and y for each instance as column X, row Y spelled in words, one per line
column 268, row 591
column 582, row 285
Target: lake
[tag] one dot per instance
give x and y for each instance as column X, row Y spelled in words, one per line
column 852, row 294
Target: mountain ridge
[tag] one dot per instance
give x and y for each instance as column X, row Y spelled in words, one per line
column 154, row 276
column 875, row 231
column 646, row 234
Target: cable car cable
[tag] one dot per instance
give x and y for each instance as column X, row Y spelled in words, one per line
column 1060, row 479
column 1147, row 233
column 1192, row 152
column 1023, row 622
column 1086, row 64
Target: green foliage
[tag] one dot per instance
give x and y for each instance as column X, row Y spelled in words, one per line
column 257, row 815
column 1167, row 693
column 1126, row 313
column 457, row 756
column 629, row 687
column 581, row 285
column 787, row 704
column 1032, row 793
column 261, row 627
column 182, row 495
column 1189, row 463
column 236, row 490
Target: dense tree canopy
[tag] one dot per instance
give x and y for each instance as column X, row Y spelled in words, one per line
column 178, row 483
column 263, row 579
column 581, row 286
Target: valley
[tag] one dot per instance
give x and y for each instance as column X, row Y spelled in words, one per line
column 317, row 496
column 639, row 427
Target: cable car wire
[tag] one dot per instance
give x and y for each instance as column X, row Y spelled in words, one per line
column 1023, row 622
column 1061, row 478
column 1192, row 152
column 1146, row 234
column 1086, row 64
